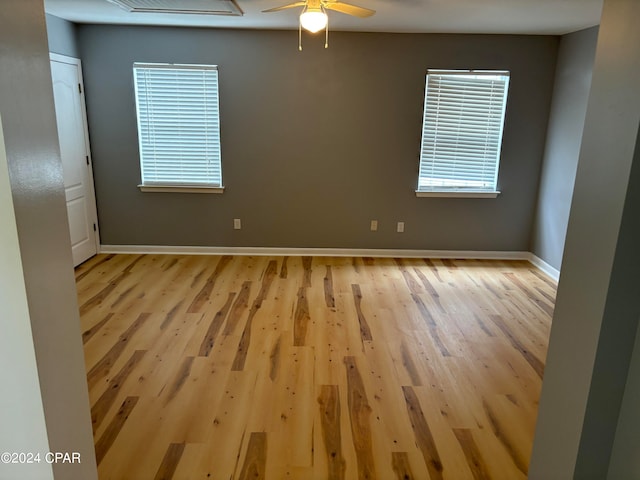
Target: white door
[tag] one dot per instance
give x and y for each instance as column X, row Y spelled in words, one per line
column 68, row 93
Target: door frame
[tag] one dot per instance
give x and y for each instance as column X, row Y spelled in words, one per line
column 56, row 57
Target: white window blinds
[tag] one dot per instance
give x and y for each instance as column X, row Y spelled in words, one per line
column 462, row 130
column 178, row 124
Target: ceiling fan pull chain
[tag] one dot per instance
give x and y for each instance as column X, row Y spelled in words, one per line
column 299, row 35
column 326, row 32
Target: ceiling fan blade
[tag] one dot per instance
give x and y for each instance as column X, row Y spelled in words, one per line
column 349, row 9
column 284, row 7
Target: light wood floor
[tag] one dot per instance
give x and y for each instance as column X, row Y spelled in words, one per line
column 206, row 367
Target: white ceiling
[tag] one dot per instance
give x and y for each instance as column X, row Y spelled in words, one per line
column 441, row 16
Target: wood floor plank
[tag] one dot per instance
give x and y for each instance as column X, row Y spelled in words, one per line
column 89, row 266
column 240, row 305
column 409, row 365
column 283, row 268
column 472, row 453
column 171, row 315
column 256, row 457
column 274, row 360
column 313, row 367
column 548, row 309
column 102, row 368
column 433, row 268
column 245, row 341
column 99, row 297
column 412, row 284
column 307, row 271
column 499, row 432
column 359, row 413
column 531, row 359
column 401, row 466
column 214, row 327
column 301, row 318
column 365, row 330
column 328, row 289
column 203, row 398
column 431, row 325
column 387, row 401
column 294, row 397
column 423, row 435
column 110, row 435
column 329, row 401
column 180, row 379
column 89, row 333
column 170, row 461
column 428, row 286
column 227, row 429
column 203, row 295
column 100, row 409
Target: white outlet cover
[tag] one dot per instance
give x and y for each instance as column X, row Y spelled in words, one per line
column 400, row 227
column 374, row 225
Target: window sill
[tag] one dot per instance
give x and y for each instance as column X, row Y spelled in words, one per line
column 456, row 194
column 179, row 189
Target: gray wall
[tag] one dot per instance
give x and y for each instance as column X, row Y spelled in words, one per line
column 598, row 301
column 564, row 135
column 315, row 144
column 619, row 322
column 625, row 458
column 35, row 176
column 62, row 36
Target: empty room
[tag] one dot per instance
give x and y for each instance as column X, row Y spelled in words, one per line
column 320, row 239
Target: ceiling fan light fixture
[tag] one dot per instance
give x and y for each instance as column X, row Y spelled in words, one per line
column 313, row 19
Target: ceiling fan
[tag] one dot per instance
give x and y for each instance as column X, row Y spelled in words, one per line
column 314, row 15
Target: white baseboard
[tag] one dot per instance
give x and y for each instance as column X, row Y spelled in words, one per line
column 335, row 252
column 544, row 266
column 317, row 252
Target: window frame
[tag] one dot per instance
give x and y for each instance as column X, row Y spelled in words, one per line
column 180, row 186
column 455, row 191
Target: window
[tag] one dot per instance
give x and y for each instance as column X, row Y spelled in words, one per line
column 178, row 127
column 462, row 132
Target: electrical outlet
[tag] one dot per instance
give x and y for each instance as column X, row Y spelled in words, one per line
column 400, row 227
column 374, row 225
column 237, row 224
